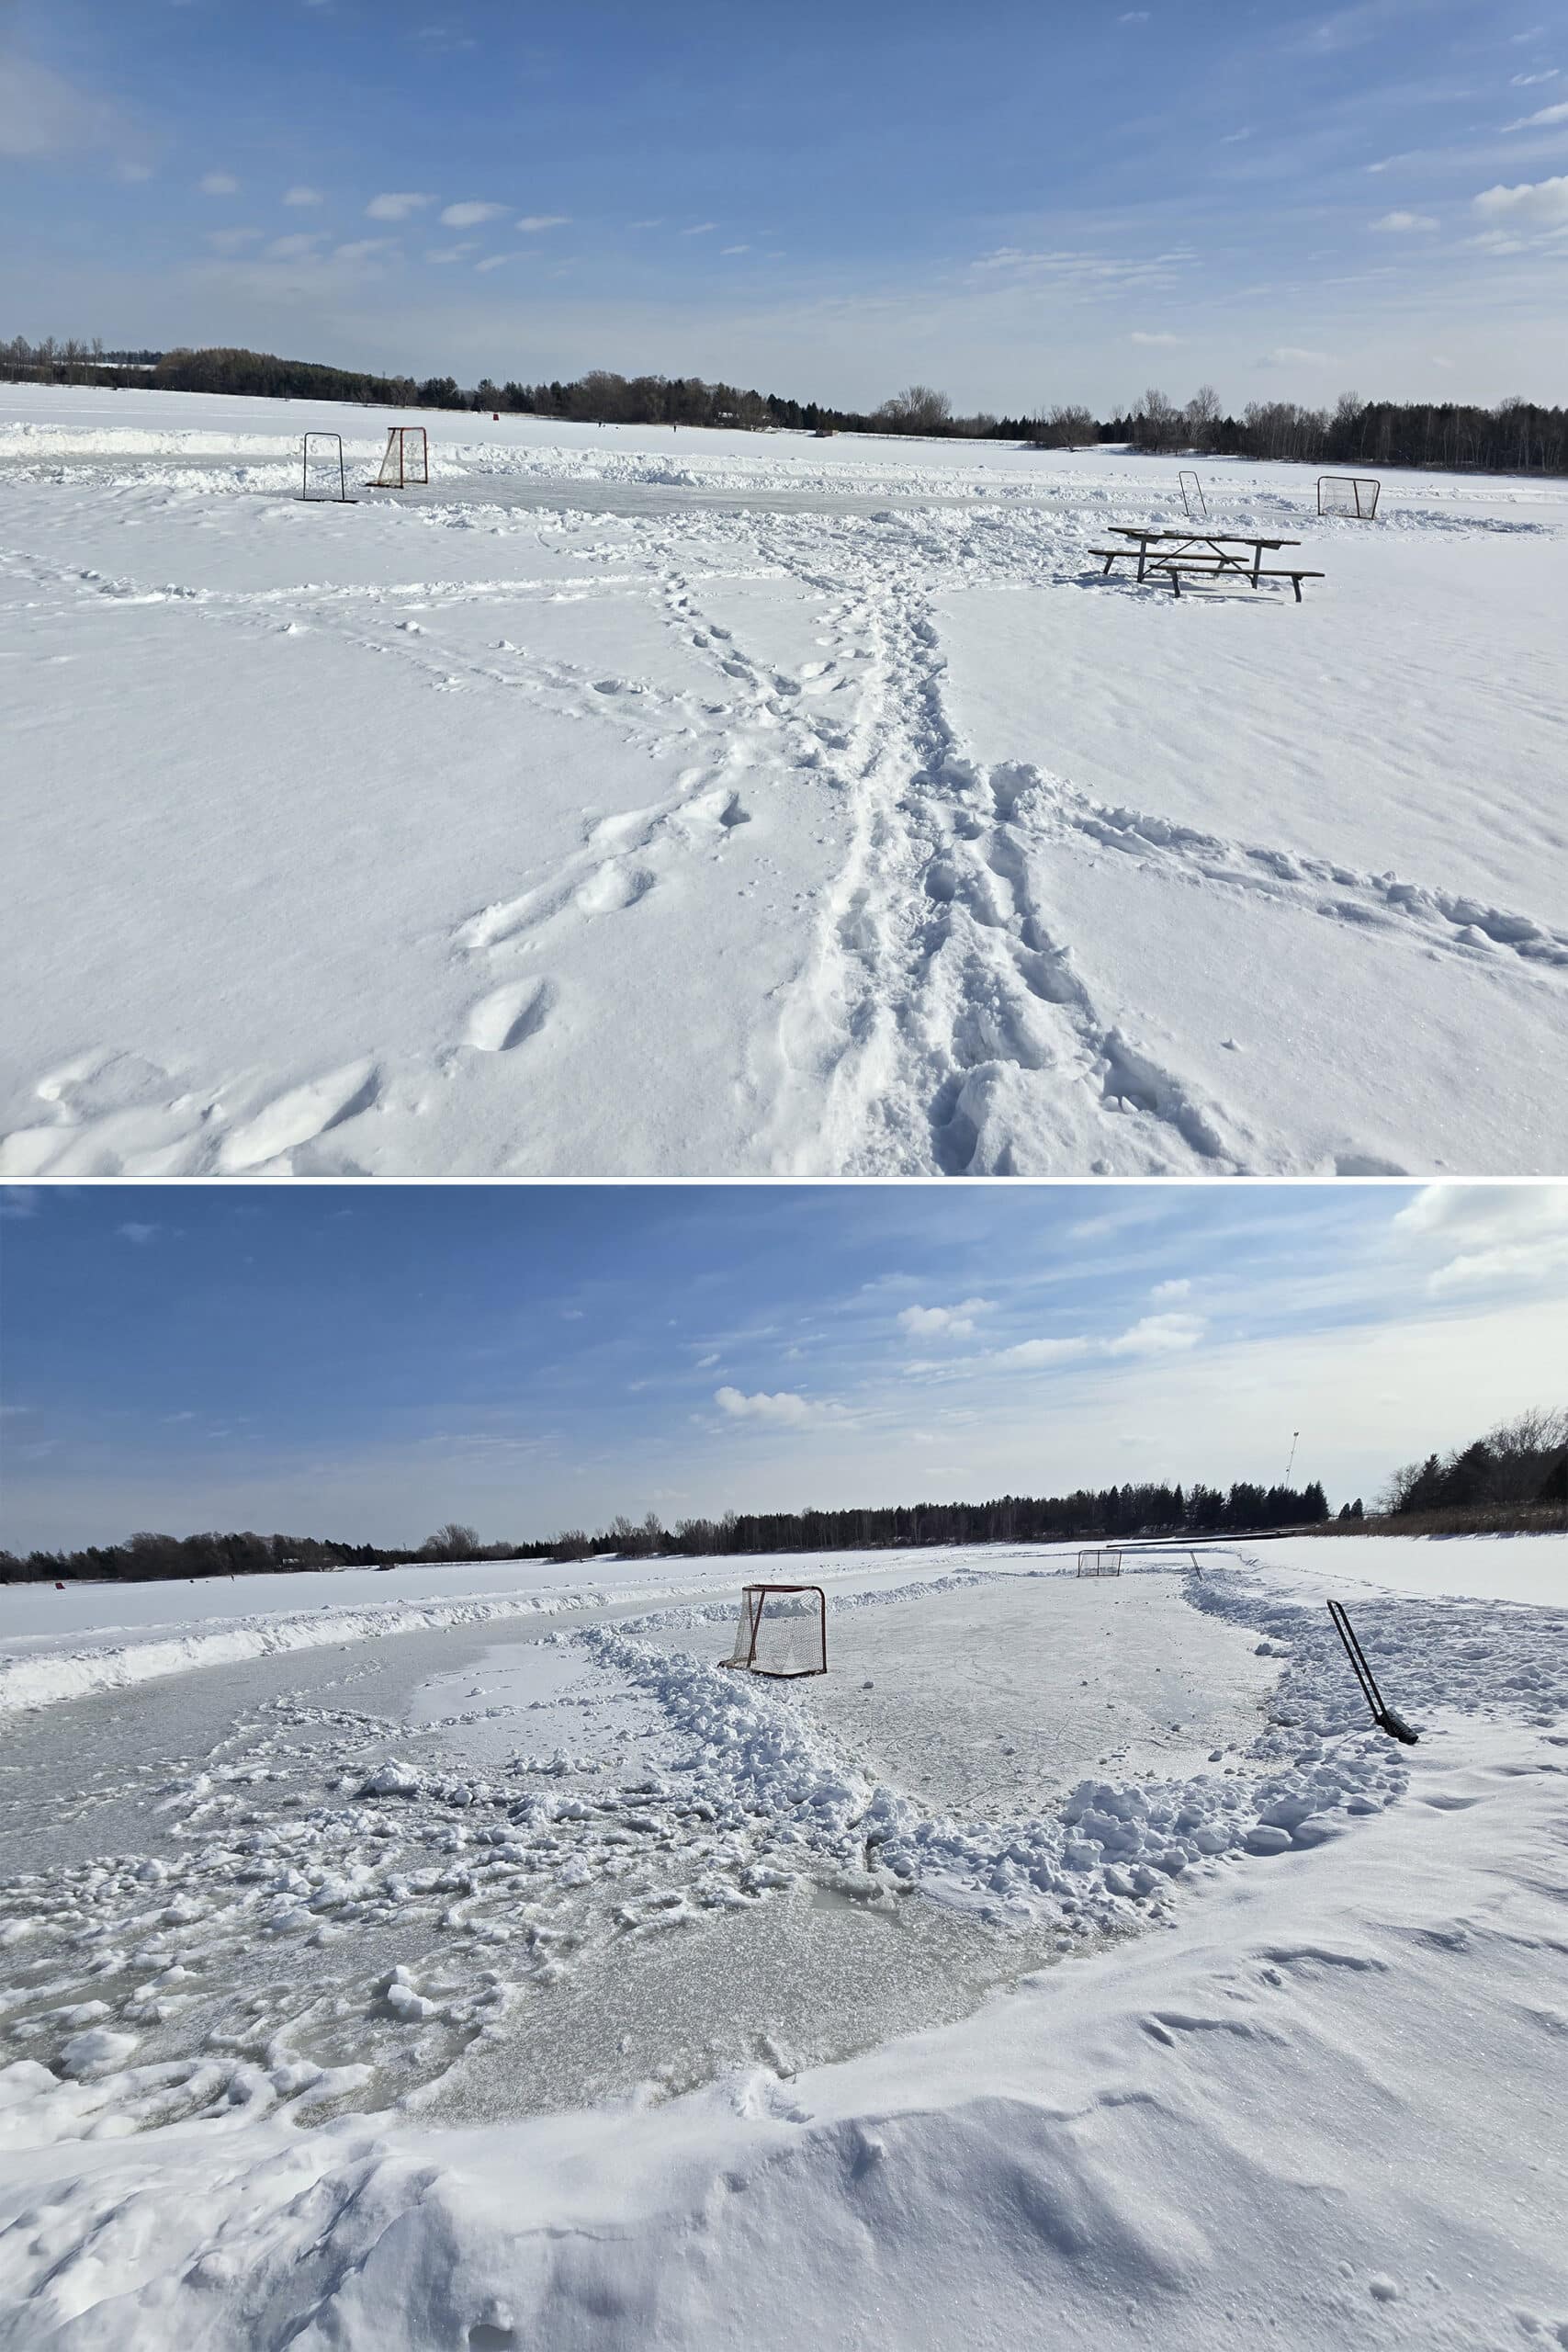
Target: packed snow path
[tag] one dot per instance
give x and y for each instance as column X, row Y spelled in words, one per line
column 729, row 807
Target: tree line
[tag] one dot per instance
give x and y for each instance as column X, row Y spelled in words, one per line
column 1521, row 1464
column 1515, row 436
column 1109, row 1512
column 1514, row 1477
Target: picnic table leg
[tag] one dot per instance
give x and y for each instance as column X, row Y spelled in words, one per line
column 1143, row 551
column 1175, row 583
column 1296, row 584
column 1106, row 565
column 1257, row 564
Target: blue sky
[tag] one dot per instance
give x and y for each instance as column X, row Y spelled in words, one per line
column 372, row 1364
column 1020, row 200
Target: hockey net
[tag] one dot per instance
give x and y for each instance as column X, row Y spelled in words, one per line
column 407, row 459
column 1099, row 1564
column 1353, row 494
column 782, row 1629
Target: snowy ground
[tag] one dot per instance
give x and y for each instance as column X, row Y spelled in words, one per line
column 1072, row 1950
column 652, row 803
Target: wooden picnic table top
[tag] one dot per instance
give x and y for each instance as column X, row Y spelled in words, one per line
column 1196, row 537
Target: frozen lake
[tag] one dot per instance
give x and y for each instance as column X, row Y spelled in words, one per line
column 820, row 796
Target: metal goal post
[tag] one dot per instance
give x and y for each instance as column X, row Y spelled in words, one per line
column 1353, row 494
column 782, row 1630
column 1099, row 1564
column 323, row 466
column 407, row 459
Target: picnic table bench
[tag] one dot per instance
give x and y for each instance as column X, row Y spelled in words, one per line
column 1211, row 554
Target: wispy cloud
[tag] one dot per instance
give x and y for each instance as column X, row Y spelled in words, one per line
column 218, row 184
column 1540, row 121
column 1488, row 1235
column 1401, row 223
column 139, row 1234
column 532, row 222
column 42, row 114
column 700, row 229
column 303, row 196
column 394, row 207
column 470, row 214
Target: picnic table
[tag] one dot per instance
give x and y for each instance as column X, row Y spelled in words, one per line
column 1213, row 554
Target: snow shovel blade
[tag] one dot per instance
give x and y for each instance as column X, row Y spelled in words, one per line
column 1396, row 1727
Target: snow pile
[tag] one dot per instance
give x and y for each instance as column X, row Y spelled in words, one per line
column 1309, row 2114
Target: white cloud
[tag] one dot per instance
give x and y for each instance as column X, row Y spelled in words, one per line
column 1158, row 1335
column 140, row 1234
column 700, row 229
column 658, row 223
column 1163, row 341
column 1534, row 204
column 534, row 221
column 363, row 248
column 459, row 251
column 470, row 215
column 1171, row 1290
column 1535, row 121
column 1401, row 223
column 735, row 249
column 1288, row 355
column 232, row 241
column 943, row 1322
column 1529, row 81
column 1039, row 1352
column 395, row 208
column 1497, row 1234
column 303, row 196
column 219, row 183
column 291, row 248
column 41, row 114
column 706, row 1363
column 18, row 1200
column 496, row 261
column 784, row 1407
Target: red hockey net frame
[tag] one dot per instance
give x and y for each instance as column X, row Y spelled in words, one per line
column 784, row 1641
column 407, row 459
column 1352, row 494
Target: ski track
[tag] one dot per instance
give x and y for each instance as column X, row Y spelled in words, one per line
column 935, row 993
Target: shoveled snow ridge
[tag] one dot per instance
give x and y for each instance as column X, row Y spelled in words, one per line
column 42, row 1680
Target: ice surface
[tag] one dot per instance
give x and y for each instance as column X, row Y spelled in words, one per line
column 821, row 798
column 268, row 1927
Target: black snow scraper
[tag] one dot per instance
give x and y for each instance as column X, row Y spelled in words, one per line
column 1384, row 1717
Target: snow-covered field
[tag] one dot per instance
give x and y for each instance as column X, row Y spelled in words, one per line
column 648, row 803
column 1074, row 1961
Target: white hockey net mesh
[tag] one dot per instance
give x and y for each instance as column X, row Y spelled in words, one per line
column 779, row 1631
column 1099, row 1564
column 407, row 459
column 1355, row 495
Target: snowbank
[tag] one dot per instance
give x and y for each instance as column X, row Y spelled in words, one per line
column 1309, row 2114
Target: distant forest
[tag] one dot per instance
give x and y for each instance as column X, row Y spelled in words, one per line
column 1513, row 1478
column 1113, row 1511
column 1515, row 436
